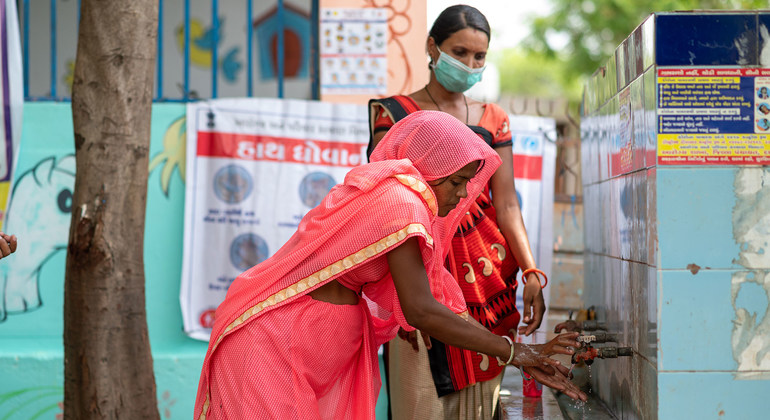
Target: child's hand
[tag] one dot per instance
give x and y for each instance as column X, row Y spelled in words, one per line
column 7, row 244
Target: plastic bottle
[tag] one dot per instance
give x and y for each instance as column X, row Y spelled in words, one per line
column 530, row 387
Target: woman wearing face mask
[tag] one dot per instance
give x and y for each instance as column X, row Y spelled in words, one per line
column 428, row 379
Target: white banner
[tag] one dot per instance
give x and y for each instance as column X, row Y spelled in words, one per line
column 255, row 167
column 534, row 160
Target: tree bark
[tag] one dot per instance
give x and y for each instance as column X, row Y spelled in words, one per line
column 108, row 369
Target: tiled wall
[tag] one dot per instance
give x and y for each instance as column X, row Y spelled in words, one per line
column 675, row 255
column 566, row 281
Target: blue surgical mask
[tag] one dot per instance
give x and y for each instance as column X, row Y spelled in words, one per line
column 453, row 74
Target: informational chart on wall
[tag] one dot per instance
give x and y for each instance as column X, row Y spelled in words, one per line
column 353, row 51
column 713, row 116
column 255, row 167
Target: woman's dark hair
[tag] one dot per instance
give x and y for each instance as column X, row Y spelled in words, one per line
column 455, row 18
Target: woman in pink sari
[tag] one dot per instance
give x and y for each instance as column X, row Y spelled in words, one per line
column 297, row 335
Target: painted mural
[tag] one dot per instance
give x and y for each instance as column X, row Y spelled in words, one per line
column 43, row 402
column 39, row 212
column 226, row 32
column 296, row 38
column 203, row 40
column 399, row 26
column 32, row 279
column 172, row 156
column 31, row 353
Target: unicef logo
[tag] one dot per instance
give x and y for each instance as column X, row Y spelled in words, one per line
column 248, row 250
column 314, row 187
column 232, row 184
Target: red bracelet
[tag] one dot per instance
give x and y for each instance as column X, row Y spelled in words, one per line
column 536, row 271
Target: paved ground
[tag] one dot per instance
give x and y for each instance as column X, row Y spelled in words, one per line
column 550, row 406
column 516, row 406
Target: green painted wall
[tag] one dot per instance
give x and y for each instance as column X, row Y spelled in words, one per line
column 30, row 331
column 31, row 327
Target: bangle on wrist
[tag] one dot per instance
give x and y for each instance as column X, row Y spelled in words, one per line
column 510, row 358
column 536, row 271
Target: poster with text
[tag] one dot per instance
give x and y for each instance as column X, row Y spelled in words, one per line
column 534, row 165
column 718, row 116
column 255, row 167
column 354, row 45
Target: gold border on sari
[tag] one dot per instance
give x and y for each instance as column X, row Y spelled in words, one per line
column 320, row 276
column 420, row 188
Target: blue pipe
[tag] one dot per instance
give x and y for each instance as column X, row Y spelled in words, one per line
column 159, row 63
column 186, row 49
column 315, row 80
column 26, row 48
column 53, row 49
column 279, row 48
column 215, row 47
column 249, row 48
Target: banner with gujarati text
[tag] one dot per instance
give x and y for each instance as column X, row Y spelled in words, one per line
column 255, row 167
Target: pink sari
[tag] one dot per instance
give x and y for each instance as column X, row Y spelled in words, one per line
column 274, row 351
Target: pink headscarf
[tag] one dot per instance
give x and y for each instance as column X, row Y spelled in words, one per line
column 378, row 207
column 438, row 145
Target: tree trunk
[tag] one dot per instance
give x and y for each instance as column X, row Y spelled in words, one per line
column 108, row 370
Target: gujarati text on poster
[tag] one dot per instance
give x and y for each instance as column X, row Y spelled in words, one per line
column 709, row 116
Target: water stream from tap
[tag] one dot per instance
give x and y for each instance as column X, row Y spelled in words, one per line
column 590, row 389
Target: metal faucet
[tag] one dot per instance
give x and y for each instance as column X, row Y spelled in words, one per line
column 593, row 325
column 588, row 354
column 588, row 325
column 598, row 337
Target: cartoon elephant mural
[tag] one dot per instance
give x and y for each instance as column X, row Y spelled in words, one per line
column 39, row 215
